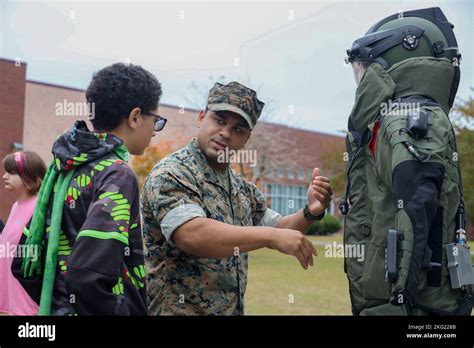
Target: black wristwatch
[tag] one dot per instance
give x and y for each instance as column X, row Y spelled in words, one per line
column 310, row 217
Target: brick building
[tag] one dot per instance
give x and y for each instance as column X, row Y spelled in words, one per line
column 12, row 110
column 30, row 118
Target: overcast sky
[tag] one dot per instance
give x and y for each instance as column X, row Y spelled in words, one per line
column 290, row 52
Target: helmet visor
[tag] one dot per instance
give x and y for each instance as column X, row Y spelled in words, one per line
column 359, row 69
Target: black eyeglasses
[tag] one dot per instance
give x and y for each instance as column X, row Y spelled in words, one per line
column 159, row 122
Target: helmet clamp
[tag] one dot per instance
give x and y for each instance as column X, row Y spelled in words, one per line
column 410, row 42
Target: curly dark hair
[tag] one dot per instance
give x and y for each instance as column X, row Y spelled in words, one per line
column 116, row 89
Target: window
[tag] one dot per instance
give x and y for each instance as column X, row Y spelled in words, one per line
column 269, row 171
column 301, row 174
column 301, row 190
column 285, row 199
column 281, row 172
column 291, row 173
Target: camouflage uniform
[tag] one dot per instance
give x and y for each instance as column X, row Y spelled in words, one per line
column 182, row 187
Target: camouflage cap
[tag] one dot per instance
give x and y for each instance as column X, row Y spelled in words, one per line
column 237, row 98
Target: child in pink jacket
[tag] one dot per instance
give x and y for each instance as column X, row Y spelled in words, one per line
column 24, row 172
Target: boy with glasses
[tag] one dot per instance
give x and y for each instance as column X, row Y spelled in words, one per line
column 87, row 222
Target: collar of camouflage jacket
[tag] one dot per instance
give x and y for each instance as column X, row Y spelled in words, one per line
column 210, row 174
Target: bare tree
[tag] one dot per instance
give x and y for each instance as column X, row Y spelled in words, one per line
column 198, row 91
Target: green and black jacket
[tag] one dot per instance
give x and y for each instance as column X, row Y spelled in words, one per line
column 96, row 260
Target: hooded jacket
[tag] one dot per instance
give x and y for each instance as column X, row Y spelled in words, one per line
column 99, row 266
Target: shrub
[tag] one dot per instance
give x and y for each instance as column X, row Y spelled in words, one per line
column 329, row 224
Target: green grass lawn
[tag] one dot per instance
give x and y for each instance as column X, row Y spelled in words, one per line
column 275, row 279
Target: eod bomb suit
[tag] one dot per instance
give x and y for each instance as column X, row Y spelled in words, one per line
column 403, row 199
